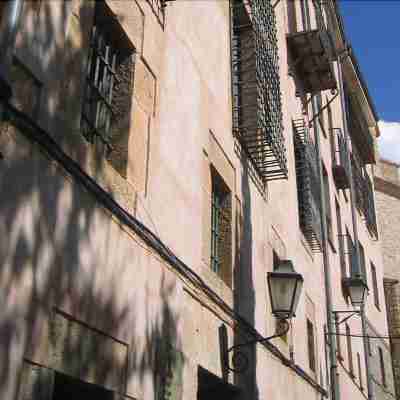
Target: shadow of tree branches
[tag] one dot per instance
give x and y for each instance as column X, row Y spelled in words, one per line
column 62, row 257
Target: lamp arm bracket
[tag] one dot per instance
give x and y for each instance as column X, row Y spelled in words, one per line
column 239, row 360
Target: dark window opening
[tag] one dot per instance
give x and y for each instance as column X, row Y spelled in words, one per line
column 363, row 271
column 375, row 286
column 349, row 350
column 311, row 345
column 26, row 89
column 328, row 210
column 211, row 387
column 382, row 366
column 106, row 113
column 221, row 228
column 67, row 388
column 305, row 15
column 359, row 371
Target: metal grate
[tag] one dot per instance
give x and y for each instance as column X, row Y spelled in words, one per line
column 369, row 206
column 308, row 185
column 257, row 108
column 340, row 159
column 158, row 7
column 109, row 77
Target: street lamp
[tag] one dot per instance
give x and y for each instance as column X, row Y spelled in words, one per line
column 285, row 286
column 357, row 289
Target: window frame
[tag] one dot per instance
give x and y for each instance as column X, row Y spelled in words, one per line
column 375, row 287
column 312, row 360
column 109, row 44
column 221, row 203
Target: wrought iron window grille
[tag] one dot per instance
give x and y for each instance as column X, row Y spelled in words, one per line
column 110, row 55
column 257, row 108
column 340, row 159
column 308, row 185
column 220, row 225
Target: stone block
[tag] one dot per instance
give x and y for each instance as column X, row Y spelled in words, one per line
column 87, row 354
column 144, row 87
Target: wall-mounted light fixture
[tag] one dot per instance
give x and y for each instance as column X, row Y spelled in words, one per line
column 285, row 286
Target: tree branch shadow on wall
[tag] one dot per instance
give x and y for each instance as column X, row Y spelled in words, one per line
column 63, row 259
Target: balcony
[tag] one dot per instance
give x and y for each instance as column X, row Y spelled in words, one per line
column 358, row 180
column 312, row 52
column 257, row 108
column 359, row 132
column 340, row 159
column 308, row 186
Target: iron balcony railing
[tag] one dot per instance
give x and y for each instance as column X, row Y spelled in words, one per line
column 308, row 186
column 257, row 108
column 312, row 54
column 358, row 180
column 340, row 159
column 369, row 206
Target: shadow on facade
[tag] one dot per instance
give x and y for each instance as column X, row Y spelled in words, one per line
column 244, row 283
column 64, row 264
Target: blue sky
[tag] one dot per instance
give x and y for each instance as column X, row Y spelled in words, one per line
column 373, row 28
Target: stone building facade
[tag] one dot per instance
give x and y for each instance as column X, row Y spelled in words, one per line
column 159, row 158
column 387, row 184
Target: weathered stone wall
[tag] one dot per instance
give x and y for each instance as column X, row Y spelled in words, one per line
column 387, row 184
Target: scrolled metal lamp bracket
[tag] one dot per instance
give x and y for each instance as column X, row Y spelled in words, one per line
column 239, row 360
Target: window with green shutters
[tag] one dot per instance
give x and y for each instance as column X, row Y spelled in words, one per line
column 221, row 218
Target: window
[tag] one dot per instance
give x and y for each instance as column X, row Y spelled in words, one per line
column 318, row 103
column 27, row 89
column 311, row 345
column 363, row 271
column 106, row 112
column 349, row 350
column 382, row 365
column 327, row 205
column 66, row 388
column 340, row 240
column 375, row 286
column 256, row 102
column 359, row 371
column 339, row 342
column 305, row 15
column 221, row 228
column 351, row 255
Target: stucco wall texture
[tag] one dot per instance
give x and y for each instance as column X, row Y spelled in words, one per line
column 84, row 296
column 387, row 183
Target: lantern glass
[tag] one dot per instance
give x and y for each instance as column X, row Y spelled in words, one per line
column 357, row 290
column 285, row 287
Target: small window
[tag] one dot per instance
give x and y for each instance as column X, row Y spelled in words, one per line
column 305, row 15
column 382, row 365
column 221, row 228
column 363, row 271
column 106, row 113
column 327, row 205
column 375, row 286
column 342, row 256
column 318, row 102
column 349, row 350
column 26, row 89
column 311, row 346
column 359, row 371
column 66, row 388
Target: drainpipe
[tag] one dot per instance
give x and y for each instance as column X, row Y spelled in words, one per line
column 8, row 29
column 334, row 375
column 354, row 220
